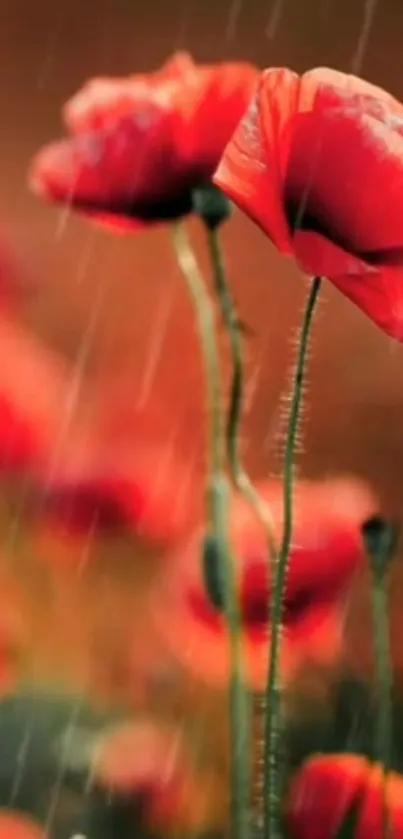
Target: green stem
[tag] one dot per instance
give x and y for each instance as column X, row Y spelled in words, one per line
column 380, row 539
column 231, row 322
column 238, row 473
column 384, row 685
column 204, row 311
column 384, row 672
column 240, row 704
column 218, row 502
column 230, row 319
column 273, row 690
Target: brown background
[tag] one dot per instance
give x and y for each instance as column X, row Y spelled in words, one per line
column 355, row 394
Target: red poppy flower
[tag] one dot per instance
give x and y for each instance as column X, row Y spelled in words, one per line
column 325, row 554
column 134, row 487
column 138, row 146
column 151, row 761
column 15, row 825
column 327, row 787
column 317, row 163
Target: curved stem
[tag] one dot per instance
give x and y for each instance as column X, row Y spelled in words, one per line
column 238, row 473
column 218, row 503
column 273, row 690
column 204, row 311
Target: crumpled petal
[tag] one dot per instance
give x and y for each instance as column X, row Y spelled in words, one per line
column 326, row 787
column 139, row 146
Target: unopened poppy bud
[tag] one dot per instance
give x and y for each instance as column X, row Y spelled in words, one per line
column 212, row 572
column 380, row 539
column 211, row 205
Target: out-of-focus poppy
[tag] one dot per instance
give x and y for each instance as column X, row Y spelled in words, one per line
column 140, row 145
column 17, row 440
column 327, row 787
column 136, row 489
column 133, row 480
column 152, row 762
column 317, row 164
column 32, row 381
column 15, row 825
column 41, row 419
column 326, row 553
column 82, row 471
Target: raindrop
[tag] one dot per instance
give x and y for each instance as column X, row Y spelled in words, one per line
column 233, row 18
column 274, row 19
column 369, row 16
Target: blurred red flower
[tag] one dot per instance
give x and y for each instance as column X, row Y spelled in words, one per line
column 133, row 479
column 317, row 163
column 17, row 440
column 151, row 761
column 15, row 825
column 325, row 555
column 326, row 787
column 135, row 494
column 139, row 145
column 41, row 423
column 80, row 469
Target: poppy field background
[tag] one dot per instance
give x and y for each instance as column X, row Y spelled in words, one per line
column 363, row 390
column 117, row 314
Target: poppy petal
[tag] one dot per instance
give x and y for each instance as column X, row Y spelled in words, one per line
column 122, row 490
column 322, row 793
column 379, row 295
column 140, row 145
column 326, row 787
column 318, row 256
column 378, row 292
column 14, row 825
column 353, row 86
column 251, row 169
column 326, row 552
column 345, row 167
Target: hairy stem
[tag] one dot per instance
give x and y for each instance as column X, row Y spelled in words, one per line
column 273, row 689
column 218, row 503
column 239, row 474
